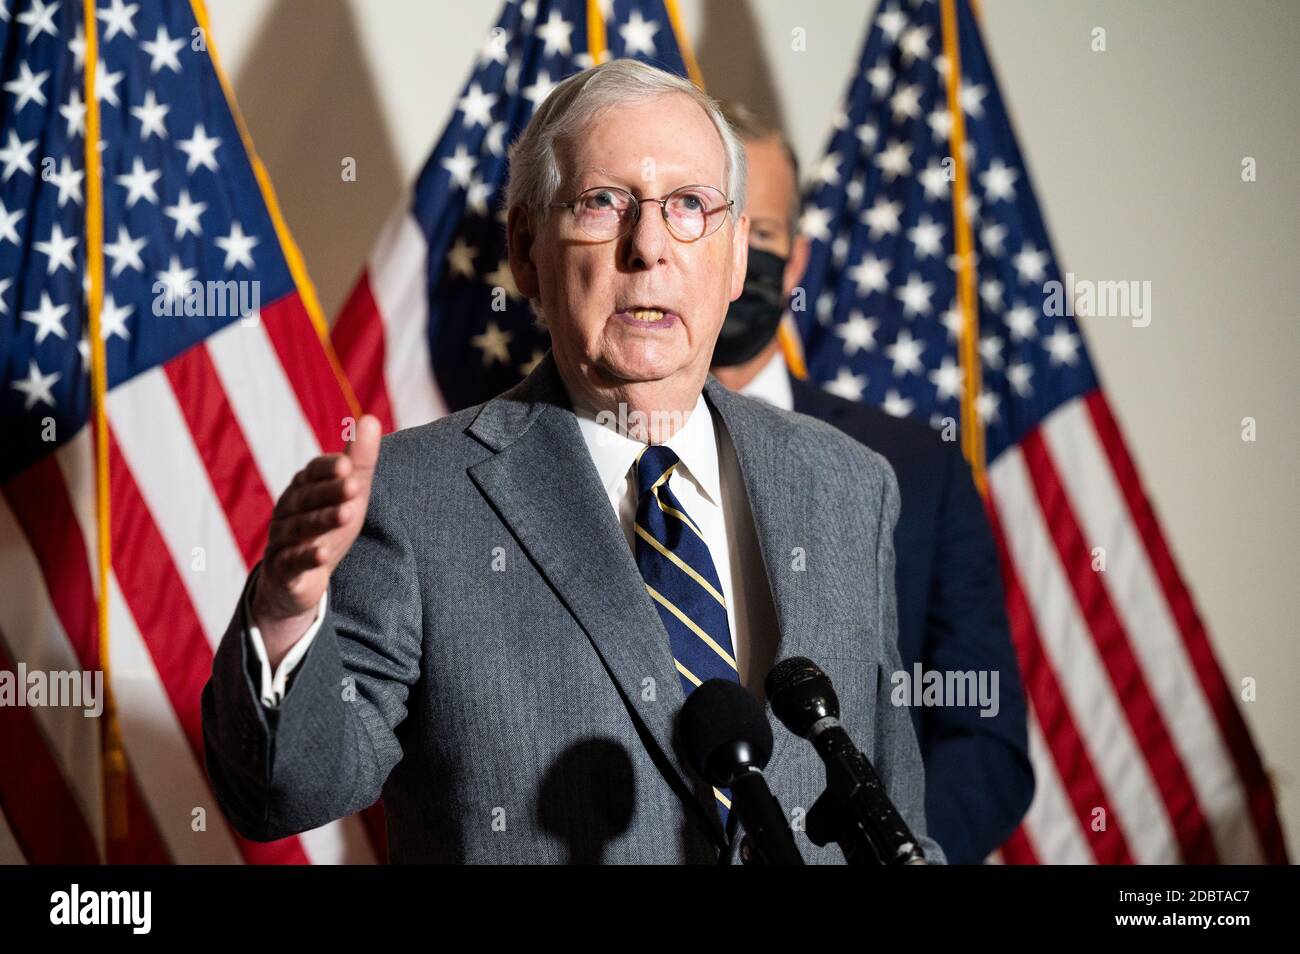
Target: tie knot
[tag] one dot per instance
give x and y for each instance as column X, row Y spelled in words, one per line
column 652, row 464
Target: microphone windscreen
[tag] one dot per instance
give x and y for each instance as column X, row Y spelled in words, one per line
column 721, row 712
column 789, row 672
column 800, row 694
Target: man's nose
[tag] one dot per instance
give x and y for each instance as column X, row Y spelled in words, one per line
column 649, row 236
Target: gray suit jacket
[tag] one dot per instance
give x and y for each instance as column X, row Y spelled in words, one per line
column 492, row 664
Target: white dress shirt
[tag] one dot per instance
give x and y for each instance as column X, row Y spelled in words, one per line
column 275, row 683
column 709, row 485
column 711, row 489
column 772, row 384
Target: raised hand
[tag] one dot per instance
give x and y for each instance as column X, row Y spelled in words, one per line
column 312, row 527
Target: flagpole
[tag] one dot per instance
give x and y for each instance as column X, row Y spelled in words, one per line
column 972, row 429
column 114, row 757
column 597, row 46
column 683, row 44
column 791, row 348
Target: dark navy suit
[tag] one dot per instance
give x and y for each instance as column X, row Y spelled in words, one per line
column 978, row 779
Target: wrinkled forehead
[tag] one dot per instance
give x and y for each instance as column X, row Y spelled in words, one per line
column 662, row 142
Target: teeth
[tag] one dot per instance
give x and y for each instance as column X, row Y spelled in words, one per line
column 647, row 314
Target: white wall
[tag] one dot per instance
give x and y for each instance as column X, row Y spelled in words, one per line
column 1136, row 155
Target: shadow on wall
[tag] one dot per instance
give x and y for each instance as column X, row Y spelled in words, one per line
column 311, row 102
column 731, row 57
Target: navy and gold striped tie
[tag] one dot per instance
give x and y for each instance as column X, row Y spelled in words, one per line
column 683, row 582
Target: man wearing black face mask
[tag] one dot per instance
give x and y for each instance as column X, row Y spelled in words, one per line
column 777, row 257
column 950, row 612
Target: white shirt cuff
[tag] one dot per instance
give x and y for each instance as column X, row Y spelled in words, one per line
column 273, row 684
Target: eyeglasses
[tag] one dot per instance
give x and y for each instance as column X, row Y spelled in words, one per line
column 608, row 212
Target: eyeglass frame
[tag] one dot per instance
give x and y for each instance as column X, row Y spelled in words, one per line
column 663, row 209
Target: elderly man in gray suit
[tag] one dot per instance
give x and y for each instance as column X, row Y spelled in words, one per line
column 493, row 619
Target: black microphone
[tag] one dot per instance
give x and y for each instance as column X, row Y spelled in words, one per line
column 728, row 741
column 854, row 810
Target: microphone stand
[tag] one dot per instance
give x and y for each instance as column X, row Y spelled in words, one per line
column 855, row 811
column 766, row 829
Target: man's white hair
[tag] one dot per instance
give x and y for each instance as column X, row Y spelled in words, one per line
column 582, row 99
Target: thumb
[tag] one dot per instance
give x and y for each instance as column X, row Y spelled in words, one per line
column 363, row 450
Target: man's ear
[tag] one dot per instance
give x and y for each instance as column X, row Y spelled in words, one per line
column 800, row 249
column 520, row 235
column 739, row 257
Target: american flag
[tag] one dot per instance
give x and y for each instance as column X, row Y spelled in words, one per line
column 435, row 323
column 209, row 411
column 928, row 294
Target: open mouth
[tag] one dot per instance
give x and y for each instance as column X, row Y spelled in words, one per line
column 645, row 316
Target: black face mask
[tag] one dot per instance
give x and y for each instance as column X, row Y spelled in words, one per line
column 753, row 318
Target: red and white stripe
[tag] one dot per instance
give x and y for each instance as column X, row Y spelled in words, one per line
column 199, row 449
column 381, row 334
column 1140, row 752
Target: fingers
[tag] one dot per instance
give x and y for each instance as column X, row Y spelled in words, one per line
column 312, row 496
column 360, row 457
column 303, row 527
column 295, row 560
column 325, row 467
column 325, row 497
column 363, row 452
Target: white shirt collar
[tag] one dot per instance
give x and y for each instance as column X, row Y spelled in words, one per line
column 772, row 384
column 695, row 443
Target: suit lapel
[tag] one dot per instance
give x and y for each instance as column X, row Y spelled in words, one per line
column 544, row 485
column 781, row 485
